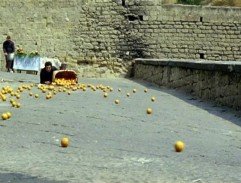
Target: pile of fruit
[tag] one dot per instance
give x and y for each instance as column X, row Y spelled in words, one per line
column 65, row 77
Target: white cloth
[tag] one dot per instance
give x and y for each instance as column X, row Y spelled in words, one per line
column 26, row 63
column 10, row 56
column 33, row 63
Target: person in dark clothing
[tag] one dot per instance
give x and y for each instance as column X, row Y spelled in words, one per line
column 46, row 73
column 8, row 50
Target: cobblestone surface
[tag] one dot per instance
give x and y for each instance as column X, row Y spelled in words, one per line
column 117, row 143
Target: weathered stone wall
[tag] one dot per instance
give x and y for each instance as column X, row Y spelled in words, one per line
column 215, row 81
column 98, row 38
column 79, row 32
column 197, row 32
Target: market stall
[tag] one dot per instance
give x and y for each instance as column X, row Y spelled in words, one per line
column 33, row 63
column 27, row 63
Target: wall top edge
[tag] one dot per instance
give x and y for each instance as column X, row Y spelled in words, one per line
column 224, row 66
column 201, row 7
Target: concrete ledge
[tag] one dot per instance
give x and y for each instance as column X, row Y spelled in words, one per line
column 217, row 81
column 228, row 66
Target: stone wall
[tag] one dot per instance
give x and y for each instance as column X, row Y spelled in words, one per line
column 216, row 81
column 99, row 38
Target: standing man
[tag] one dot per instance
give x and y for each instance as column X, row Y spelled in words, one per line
column 46, row 74
column 8, row 50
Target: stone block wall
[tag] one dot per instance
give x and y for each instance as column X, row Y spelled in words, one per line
column 100, row 38
column 196, row 32
column 210, row 80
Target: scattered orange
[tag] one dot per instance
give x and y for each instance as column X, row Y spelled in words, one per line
column 48, row 96
column 4, row 98
column 4, row 116
column 11, row 100
column 149, row 111
column 9, row 114
column 179, row 146
column 14, row 104
column 18, row 96
column 18, row 105
column 64, row 142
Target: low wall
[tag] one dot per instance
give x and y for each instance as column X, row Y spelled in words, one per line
column 210, row 80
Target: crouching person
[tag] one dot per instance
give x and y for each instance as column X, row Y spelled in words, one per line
column 46, row 73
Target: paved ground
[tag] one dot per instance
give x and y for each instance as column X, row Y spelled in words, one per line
column 112, row 143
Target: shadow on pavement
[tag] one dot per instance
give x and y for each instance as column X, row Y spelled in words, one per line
column 224, row 112
column 20, row 178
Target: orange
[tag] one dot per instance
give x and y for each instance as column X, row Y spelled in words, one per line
column 48, row 96
column 11, row 100
column 145, row 90
column 64, row 142
column 4, row 98
column 18, row 96
column 117, row 101
column 134, row 90
column 4, row 116
column 153, row 99
column 9, row 114
column 14, row 104
column 149, row 111
column 128, row 94
column 18, row 105
column 105, row 94
column 179, row 146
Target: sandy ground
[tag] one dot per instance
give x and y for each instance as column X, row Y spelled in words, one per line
column 112, row 143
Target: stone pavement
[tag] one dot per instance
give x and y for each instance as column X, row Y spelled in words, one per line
column 112, row 143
